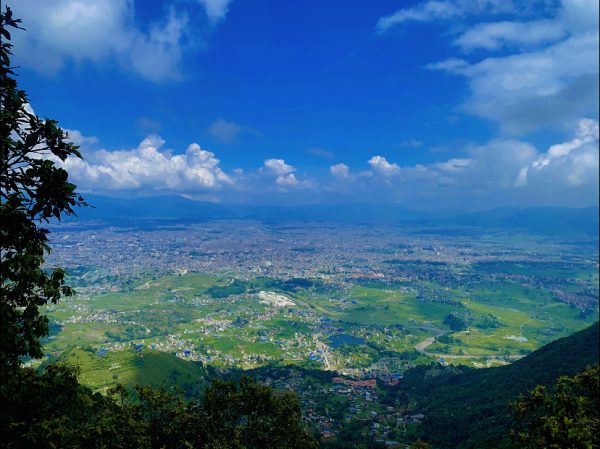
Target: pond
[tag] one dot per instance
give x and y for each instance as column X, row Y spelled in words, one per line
column 335, row 341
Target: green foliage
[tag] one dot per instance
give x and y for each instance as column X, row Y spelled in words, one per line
column 52, row 409
column 33, row 190
column 251, row 416
column 467, row 408
column 235, row 287
column 565, row 417
column 455, row 322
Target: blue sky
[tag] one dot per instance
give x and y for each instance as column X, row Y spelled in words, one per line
column 458, row 103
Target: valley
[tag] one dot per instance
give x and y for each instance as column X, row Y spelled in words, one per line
column 249, row 294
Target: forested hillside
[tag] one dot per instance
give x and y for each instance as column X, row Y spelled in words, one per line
column 468, row 408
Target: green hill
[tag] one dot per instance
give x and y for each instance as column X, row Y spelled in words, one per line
column 467, row 408
column 131, row 367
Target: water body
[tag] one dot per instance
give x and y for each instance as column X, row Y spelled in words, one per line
column 335, row 341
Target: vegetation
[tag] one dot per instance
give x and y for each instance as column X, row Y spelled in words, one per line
column 565, row 416
column 53, row 410
column 33, row 190
column 467, row 408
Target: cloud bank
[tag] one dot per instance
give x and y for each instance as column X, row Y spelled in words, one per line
column 504, row 171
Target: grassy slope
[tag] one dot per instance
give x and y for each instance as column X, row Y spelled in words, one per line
column 469, row 409
column 131, row 367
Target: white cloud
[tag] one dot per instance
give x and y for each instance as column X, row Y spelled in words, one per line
column 224, row 131
column 79, row 139
column 283, row 175
column 339, row 170
column 278, row 167
column 423, row 12
column 433, row 10
column 288, row 180
column 572, row 163
column 527, row 91
column 550, row 77
column 453, row 165
column 216, row 10
column 382, row 166
column 98, row 30
column 498, row 173
column 148, row 168
column 493, row 36
column 452, row 65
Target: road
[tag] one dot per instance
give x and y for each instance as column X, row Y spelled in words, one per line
column 323, row 348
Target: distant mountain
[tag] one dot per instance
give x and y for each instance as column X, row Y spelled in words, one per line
column 171, row 208
column 540, row 220
column 468, row 409
column 558, row 221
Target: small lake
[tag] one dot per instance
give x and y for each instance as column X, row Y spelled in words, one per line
column 335, row 341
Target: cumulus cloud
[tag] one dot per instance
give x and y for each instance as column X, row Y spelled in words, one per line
column 224, row 131
column 497, row 173
column 572, row 163
column 96, row 31
column 288, row 180
column 340, row 170
column 284, row 177
column 148, row 168
column 382, row 166
column 278, row 167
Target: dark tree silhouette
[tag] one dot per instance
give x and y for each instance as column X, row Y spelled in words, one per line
column 33, row 190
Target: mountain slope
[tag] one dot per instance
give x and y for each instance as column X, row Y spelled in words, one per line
column 468, row 409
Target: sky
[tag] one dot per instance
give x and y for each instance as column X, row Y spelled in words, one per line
column 467, row 104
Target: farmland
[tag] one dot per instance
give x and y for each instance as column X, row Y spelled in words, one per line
column 417, row 299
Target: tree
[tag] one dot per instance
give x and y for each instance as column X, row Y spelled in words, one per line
column 34, row 189
column 565, row 418
column 420, row 444
column 250, row 415
column 51, row 409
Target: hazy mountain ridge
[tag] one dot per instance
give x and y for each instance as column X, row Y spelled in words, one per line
column 170, row 209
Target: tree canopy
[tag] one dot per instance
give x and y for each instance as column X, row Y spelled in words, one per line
column 52, row 409
column 565, row 417
column 33, row 190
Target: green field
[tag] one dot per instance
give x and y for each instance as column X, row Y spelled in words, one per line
column 479, row 314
